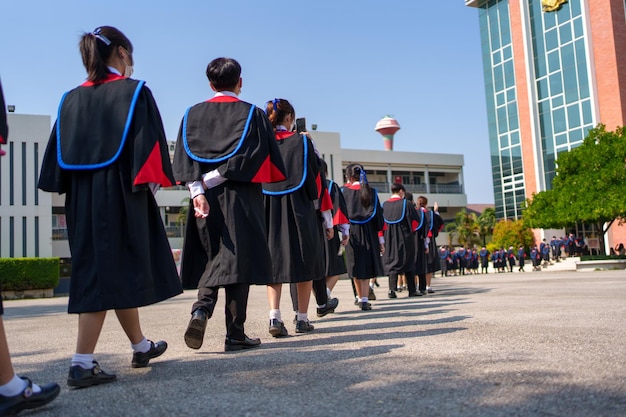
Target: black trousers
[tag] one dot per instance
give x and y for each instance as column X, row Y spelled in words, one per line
column 319, row 290
column 410, row 281
column 422, row 281
column 235, row 309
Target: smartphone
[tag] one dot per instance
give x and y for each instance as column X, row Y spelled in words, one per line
column 301, row 125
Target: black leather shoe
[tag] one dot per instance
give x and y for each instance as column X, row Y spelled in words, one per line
column 27, row 399
column 430, row 291
column 141, row 359
column 231, row 345
column 392, row 294
column 303, row 326
column 194, row 336
column 415, row 294
column 277, row 328
column 366, row 306
column 330, row 307
column 371, row 294
column 80, row 377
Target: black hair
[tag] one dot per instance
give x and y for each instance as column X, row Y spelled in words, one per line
column 396, row 188
column 353, row 173
column 277, row 110
column 97, row 47
column 324, row 166
column 223, row 73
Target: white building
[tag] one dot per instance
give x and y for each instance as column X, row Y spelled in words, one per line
column 32, row 222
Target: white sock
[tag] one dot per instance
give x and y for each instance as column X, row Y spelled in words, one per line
column 427, row 288
column 371, row 285
column 84, row 360
column 302, row 316
column 275, row 314
column 321, row 306
column 142, row 346
column 16, row 386
column 364, row 299
column 328, row 292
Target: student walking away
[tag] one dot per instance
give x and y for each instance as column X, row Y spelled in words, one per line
column 434, row 224
column 521, row 256
column 17, row 393
column 365, row 246
column 293, row 221
column 225, row 149
column 107, row 153
column 535, row 257
column 335, row 247
column 510, row 256
column 401, row 221
column 484, row 260
column 444, row 254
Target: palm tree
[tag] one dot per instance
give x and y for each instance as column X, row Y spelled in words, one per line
column 464, row 228
column 486, row 223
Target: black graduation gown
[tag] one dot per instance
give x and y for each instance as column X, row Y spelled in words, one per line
column 237, row 139
column 421, row 258
column 335, row 262
column 363, row 250
column 401, row 221
column 293, row 223
column 434, row 223
column 107, row 144
column 4, row 133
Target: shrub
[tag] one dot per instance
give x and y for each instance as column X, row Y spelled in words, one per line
column 602, row 257
column 18, row 274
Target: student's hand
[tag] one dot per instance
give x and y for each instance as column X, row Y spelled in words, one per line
column 344, row 239
column 201, row 206
column 330, row 233
column 436, row 207
column 382, row 249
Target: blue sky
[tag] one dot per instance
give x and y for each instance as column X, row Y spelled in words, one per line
column 342, row 64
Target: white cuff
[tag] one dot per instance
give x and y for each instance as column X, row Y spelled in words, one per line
column 195, row 188
column 328, row 219
column 154, row 187
column 212, row 179
column 344, row 229
column 381, row 240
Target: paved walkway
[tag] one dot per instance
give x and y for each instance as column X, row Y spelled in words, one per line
column 532, row 344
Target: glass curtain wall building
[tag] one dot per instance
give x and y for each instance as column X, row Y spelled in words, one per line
column 553, row 69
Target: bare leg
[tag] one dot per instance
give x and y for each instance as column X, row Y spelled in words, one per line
column 428, row 278
column 6, row 368
column 332, row 281
column 304, row 295
column 273, row 295
column 129, row 320
column 89, row 328
column 359, row 289
column 365, row 287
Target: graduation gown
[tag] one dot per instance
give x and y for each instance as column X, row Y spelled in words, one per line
column 400, row 224
column 434, row 223
column 363, row 250
column 230, row 245
column 335, row 262
column 4, row 133
column 106, row 146
column 293, row 222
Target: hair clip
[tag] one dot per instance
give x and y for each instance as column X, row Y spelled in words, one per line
column 98, row 35
column 275, row 103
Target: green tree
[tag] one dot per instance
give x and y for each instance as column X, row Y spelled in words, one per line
column 508, row 233
column 465, row 228
column 486, row 222
column 590, row 186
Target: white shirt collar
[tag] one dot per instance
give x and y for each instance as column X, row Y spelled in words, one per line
column 226, row 93
column 114, row 70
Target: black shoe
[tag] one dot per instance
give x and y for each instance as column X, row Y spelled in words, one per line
column 430, row 291
column 366, row 306
column 303, row 326
column 27, row 399
column 80, row 377
column 392, row 294
column 357, row 301
column 141, row 359
column 194, row 336
column 371, row 294
column 231, row 345
column 277, row 328
column 330, row 307
column 415, row 294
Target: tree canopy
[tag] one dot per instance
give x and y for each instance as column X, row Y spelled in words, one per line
column 509, row 233
column 590, row 185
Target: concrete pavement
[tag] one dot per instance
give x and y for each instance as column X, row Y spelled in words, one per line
column 549, row 343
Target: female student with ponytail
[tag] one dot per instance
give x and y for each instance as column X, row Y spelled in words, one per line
column 364, row 249
column 108, row 154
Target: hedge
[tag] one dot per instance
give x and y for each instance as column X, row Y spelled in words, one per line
column 602, row 257
column 18, row 274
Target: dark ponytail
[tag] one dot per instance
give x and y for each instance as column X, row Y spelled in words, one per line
column 356, row 172
column 96, row 49
column 277, row 110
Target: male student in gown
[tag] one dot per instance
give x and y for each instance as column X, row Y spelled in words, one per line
column 226, row 148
